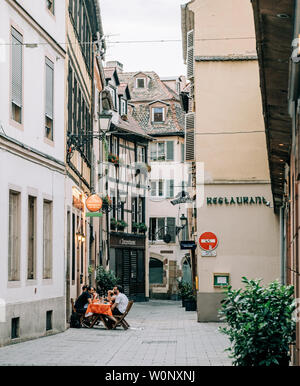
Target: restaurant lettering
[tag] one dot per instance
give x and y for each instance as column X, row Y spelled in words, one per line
column 127, row 242
column 236, row 200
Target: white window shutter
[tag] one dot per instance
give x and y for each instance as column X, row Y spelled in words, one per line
column 49, row 88
column 17, row 65
column 190, row 137
column 190, row 54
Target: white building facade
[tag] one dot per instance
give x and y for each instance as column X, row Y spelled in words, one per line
column 32, row 171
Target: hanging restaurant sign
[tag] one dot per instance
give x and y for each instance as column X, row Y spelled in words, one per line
column 236, row 200
column 94, row 203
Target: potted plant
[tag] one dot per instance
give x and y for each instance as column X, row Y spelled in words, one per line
column 113, row 224
column 106, row 280
column 114, row 159
column 260, row 323
column 135, row 227
column 106, row 202
column 121, row 225
column 142, row 228
column 189, row 298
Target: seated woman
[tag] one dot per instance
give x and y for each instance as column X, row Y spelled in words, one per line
column 111, row 296
column 95, row 296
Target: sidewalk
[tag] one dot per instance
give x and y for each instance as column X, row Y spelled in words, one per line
column 162, row 333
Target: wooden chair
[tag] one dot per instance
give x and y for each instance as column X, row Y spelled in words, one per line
column 74, row 310
column 121, row 318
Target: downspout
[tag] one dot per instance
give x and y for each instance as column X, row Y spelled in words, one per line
column 282, row 246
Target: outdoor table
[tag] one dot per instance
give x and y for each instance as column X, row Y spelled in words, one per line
column 100, row 310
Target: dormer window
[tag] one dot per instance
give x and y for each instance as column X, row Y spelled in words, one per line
column 158, row 114
column 123, row 106
column 140, row 83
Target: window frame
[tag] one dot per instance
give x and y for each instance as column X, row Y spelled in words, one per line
column 13, row 121
column 49, row 64
column 12, row 244
column 48, row 260
column 163, row 114
column 144, row 81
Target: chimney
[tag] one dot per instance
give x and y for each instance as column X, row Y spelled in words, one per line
column 115, row 64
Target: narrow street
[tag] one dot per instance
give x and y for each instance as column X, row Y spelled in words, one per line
column 162, row 333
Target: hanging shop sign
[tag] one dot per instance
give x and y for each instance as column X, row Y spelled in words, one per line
column 94, row 203
column 258, row 200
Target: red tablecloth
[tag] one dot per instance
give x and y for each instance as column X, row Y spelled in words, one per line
column 95, row 308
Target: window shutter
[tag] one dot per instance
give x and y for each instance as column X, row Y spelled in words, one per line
column 49, row 88
column 17, row 59
column 171, row 228
column 190, row 137
column 170, row 150
column 182, row 152
column 190, row 54
column 170, row 188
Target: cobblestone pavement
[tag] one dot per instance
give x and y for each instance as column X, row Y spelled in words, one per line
column 162, row 333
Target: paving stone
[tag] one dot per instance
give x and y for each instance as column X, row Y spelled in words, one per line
column 162, row 333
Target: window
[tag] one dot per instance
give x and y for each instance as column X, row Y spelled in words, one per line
column 50, row 5
column 160, row 226
column 123, row 106
column 140, row 154
column 170, row 189
column 162, row 151
column 158, row 114
column 16, row 75
column 15, row 328
column 31, row 248
column 47, row 239
column 140, row 82
column 14, row 237
column 157, row 188
column 49, row 315
column 156, row 228
column 49, row 99
column 156, row 271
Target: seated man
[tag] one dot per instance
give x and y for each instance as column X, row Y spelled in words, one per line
column 121, row 301
column 83, row 300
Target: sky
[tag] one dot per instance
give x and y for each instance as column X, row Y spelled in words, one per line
column 144, row 20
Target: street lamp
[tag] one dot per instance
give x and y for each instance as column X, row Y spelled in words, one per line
column 104, row 121
column 183, row 221
column 77, row 141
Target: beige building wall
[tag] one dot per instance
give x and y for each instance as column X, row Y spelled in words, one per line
column 230, row 141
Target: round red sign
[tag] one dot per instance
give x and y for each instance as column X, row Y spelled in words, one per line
column 94, row 203
column 208, row 241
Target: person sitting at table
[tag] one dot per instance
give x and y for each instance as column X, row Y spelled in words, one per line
column 111, row 296
column 121, row 301
column 95, row 296
column 83, row 300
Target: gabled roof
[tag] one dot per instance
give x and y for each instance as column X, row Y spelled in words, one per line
column 124, row 90
column 155, row 90
column 158, row 100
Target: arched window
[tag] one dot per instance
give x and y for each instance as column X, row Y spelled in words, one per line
column 156, row 271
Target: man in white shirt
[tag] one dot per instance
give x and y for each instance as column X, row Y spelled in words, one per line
column 121, row 301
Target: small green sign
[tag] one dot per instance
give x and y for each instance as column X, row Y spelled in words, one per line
column 221, row 279
column 93, row 214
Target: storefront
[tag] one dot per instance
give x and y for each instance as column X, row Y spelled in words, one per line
column 127, row 260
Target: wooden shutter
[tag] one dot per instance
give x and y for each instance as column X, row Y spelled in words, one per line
column 160, row 228
column 17, row 65
column 170, row 188
column 126, row 271
column 190, row 137
column 190, row 54
column 171, row 228
column 49, row 88
column 170, row 150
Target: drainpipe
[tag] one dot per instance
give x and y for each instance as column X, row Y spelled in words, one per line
column 282, row 246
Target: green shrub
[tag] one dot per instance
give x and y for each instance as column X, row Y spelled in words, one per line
column 106, row 280
column 260, row 323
